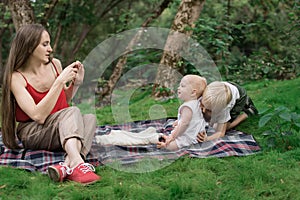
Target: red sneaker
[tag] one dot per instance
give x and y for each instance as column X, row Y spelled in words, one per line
column 58, row 172
column 84, row 174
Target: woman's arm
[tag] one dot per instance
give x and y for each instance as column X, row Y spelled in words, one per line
column 71, row 90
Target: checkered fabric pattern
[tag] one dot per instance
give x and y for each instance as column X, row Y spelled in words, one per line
column 235, row 143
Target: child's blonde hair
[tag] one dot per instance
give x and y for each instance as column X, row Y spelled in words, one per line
column 198, row 83
column 216, row 96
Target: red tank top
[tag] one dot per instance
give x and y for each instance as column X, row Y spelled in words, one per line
column 37, row 96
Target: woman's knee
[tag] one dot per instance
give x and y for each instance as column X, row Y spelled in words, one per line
column 74, row 109
column 90, row 118
column 73, row 113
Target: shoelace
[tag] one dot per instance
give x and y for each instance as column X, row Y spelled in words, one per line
column 68, row 170
column 86, row 167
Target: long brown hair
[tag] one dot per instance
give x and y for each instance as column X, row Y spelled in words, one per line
column 24, row 43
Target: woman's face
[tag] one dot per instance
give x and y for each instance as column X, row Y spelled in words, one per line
column 43, row 50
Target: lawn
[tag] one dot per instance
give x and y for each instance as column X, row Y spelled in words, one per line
column 274, row 173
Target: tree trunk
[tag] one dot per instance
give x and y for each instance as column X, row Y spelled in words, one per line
column 3, row 28
column 1, row 57
column 22, row 12
column 187, row 14
column 107, row 87
column 83, row 34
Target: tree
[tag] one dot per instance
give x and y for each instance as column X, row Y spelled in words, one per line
column 22, row 12
column 71, row 21
column 6, row 20
column 187, row 14
column 107, row 87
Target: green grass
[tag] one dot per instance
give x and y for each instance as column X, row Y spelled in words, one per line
column 134, row 105
column 271, row 174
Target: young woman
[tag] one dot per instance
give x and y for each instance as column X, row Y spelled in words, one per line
column 35, row 93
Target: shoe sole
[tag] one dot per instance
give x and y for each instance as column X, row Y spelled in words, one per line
column 53, row 174
column 88, row 183
column 93, row 181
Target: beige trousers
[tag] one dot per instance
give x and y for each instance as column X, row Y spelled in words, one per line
column 57, row 129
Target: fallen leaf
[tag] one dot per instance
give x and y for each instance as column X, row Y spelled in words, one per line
column 2, row 186
column 281, row 180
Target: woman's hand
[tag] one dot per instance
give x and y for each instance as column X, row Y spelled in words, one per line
column 69, row 73
column 80, row 74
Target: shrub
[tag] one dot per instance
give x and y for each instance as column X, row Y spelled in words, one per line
column 283, row 132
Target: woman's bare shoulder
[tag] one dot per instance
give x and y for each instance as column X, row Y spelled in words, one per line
column 57, row 63
column 17, row 78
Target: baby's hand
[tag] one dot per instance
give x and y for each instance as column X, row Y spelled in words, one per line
column 161, row 145
column 202, row 136
column 162, row 138
column 168, row 139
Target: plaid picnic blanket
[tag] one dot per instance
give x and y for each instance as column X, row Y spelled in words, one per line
column 134, row 158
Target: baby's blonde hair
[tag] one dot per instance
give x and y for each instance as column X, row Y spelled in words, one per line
column 198, row 83
column 216, row 96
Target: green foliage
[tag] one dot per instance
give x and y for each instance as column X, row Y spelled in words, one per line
column 247, row 39
column 284, row 132
column 4, row 14
column 251, row 41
